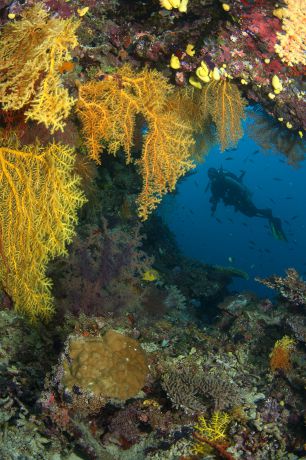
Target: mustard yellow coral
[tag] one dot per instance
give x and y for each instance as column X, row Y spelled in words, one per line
column 31, row 51
column 222, row 100
column 108, row 111
column 291, row 44
column 181, row 5
column 280, row 355
column 39, row 199
column 214, row 431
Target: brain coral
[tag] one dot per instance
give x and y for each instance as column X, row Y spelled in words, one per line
column 112, row 366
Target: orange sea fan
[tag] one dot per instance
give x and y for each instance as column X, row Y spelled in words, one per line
column 222, row 101
column 280, row 355
column 108, row 111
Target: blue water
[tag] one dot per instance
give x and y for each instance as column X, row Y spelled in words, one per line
column 218, row 240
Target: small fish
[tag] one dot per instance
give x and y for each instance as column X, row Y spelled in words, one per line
column 267, row 250
column 294, row 217
column 218, row 220
column 245, row 224
column 271, row 199
column 231, row 220
column 289, row 197
column 277, row 179
column 229, row 158
column 256, row 151
column 230, row 259
column 252, row 242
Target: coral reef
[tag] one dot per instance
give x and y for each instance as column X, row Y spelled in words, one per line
column 291, row 43
column 147, row 354
column 191, row 389
column 292, row 288
column 103, row 274
column 280, row 355
column 113, row 366
column 211, row 433
column 31, row 52
column 40, row 196
column 108, row 111
column 222, row 101
column 263, row 407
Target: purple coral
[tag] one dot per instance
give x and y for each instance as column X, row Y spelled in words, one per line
column 103, row 272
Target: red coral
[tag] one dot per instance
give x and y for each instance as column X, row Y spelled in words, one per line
column 262, row 27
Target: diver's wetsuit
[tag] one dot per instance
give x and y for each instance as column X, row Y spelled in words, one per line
column 229, row 188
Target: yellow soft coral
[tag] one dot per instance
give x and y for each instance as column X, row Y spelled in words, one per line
column 39, row 199
column 292, row 43
column 181, row 5
column 211, row 433
column 222, row 100
column 31, row 52
column 108, row 111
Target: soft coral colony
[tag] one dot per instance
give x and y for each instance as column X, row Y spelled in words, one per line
column 35, row 226
column 148, row 82
column 37, row 45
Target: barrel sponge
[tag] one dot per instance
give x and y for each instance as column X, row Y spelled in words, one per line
column 112, row 366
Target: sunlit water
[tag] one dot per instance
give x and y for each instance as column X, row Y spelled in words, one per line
column 230, row 238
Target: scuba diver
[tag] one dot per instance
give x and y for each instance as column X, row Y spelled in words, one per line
column 229, row 188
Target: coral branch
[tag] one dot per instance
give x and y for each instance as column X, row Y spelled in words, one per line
column 39, row 199
column 31, row 52
column 108, row 110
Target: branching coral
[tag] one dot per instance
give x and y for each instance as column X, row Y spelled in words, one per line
column 212, row 434
column 31, row 52
column 108, row 110
column 280, row 355
column 292, row 43
column 223, row 102
column 39, row 199
column 291, row 288
column 193, row 390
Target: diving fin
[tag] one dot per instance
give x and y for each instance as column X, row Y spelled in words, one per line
column 276, row 229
